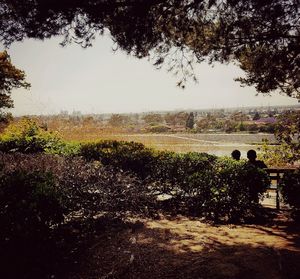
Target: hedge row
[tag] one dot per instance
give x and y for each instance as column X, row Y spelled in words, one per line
column 215, row 189
column 145, row 162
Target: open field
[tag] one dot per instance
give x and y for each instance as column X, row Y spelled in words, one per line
column 218, row 144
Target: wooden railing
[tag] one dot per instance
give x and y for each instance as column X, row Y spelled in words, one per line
column 275, row 175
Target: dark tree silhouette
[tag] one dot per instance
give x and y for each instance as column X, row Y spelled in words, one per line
column 190, row 121
column 256, row 116
column 261, row 36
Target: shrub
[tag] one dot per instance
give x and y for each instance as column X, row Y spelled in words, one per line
column 197, row 183
column 198, row 192
column 172, row 169
column 88, row 188
column 128, row 156
column 158, row 129
column 30, row 203
column 27, row 136
column 146, row 163
column 94, row 189
column 290, row 189
column 205, row 186
column 276, row 155
column 239, row 187
column 267, row 128
column 228, row 189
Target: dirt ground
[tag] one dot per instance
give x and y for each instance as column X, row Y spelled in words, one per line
column 185, row 248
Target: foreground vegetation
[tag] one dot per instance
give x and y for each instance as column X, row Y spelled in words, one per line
column 48, row 185
column 204, row 184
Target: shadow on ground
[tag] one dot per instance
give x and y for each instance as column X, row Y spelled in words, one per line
column 177, row 247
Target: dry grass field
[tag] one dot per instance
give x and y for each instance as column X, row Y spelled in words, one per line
column 218, row 144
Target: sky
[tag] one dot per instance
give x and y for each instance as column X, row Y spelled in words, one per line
column 99, row 80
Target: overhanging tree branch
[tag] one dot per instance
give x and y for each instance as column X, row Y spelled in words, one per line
column 262, row 36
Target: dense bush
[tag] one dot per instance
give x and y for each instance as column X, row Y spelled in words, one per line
column 128, row 156
column 287, row 134
column 267, row 128
column 225, row 189
column 163, row 166
column 30, row 210
column 88, row 188
column 238, row 187
column 195, row 182
column 290, row 189
column 171, row 171
column 158, row 129
column 276, row 155
column 27, row 136
column 30, row 203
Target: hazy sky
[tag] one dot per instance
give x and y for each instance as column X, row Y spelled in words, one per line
column 98, row 80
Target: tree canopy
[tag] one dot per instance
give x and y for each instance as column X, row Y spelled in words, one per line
column 261, row 36
column 10, row 77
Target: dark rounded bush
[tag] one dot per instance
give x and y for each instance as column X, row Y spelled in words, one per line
column 240, row 186
column 173, row 170
column 30, row 203
column 158, row 129
column 226, row 189
column 128, row 156
column 290, row 189
column 145, row 162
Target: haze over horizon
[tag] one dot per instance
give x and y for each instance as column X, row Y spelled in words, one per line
column 98, row 80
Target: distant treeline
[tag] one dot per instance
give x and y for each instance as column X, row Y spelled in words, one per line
column 171, row 122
